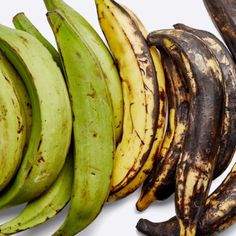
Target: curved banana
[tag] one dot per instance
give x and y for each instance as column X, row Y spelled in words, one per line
column 195, row 167
column 51, row 116
column 219, row 213
column 21, row 22
column 149, row 163
column 101, row 54
column 160, row 184
column 228, row 132
column 12, row 126
column 140, row 91
column 46, row 206
column 92, row 126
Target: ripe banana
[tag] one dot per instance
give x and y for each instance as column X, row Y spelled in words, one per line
column 219, row 213
column 228, row 133
column 222, row 13
column 92, row 126
column 12, row 125
column 140, row 91
column 101, row 55
column 148, row 165
column 160, row 184
column 51, row 116
column 21, row 22
column 46, row 206
column 195, row 167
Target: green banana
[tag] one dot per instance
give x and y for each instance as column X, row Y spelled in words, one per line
column 51, row 116
column 92, row 126
column 102, row 56
column 12, row 127
column 46, row 206
column 21, row 22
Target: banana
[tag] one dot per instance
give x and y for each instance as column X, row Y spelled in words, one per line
column 102, row 55
column 21, row 22
column 219, row 213
column 12, row 126
column 160, row 184
column 46, row 206
column 51, row 116
column 228, row 132
column 196, row 164
column 148, row 165
column 140, row 92
column 92, row 126
column 222, row 13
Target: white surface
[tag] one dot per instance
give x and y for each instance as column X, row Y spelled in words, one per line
column 121, row 217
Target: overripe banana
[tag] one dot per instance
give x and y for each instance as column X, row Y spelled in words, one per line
column 92, row 126
column 160, row 184
column 148, row 165
column 46, row 206
column 228, row 133
column 12, row 126
column 219, row 213
column 101, row 55
column 222, row 13
column 51, row 116
column 196, row 164
column 21, row 22
column 140, row 91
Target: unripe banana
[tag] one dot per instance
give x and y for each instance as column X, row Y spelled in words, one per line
column 92, row 126
column 195, row 167
column 101, row 55
column 51, row 116
column 140, row 90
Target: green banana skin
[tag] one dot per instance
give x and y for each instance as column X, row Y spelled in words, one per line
column 101, row 54
column 46, row 206
column 21, row 22
column 92, row 127
column 51, row 116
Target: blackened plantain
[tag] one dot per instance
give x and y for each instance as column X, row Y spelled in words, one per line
column 161, row 182
column 223, row 15
column 228, row 131
column 219, row 213
column 196, row 164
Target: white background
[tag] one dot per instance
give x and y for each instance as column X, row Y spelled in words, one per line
column 119, row 218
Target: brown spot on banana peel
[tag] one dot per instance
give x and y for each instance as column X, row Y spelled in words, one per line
column 195, row 167
column 228, row 132
column 219, row 213
column 223, row 15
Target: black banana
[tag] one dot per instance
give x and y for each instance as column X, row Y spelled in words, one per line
column 219, row 213
column 195, row 167
column 228, row 131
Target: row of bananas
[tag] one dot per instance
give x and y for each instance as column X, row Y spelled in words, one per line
column 87, row 125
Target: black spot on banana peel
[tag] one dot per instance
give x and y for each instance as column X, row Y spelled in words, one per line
column 196, row 164
column 161, row 182
column 219, row 213
column 223, row 15
column 228, row 132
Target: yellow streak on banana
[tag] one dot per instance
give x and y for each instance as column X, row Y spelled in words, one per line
column 139, row 86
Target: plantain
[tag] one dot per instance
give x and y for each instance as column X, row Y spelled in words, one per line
column 51, row 116
column 222, row 13
column 140, row 92
column 196, row 164
column 228, row 132
column 102, row 55
column 149, row 163
column 92, row 126
column 46, row 206
column 160, row 184
column 21, row 22
column 219, row 213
